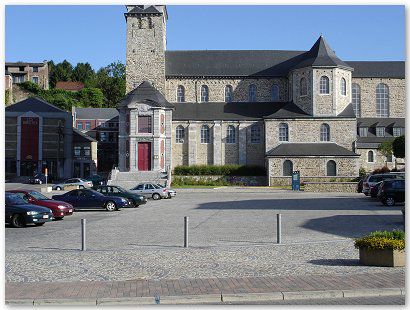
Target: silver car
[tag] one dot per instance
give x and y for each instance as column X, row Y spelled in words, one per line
column 150, row 190
column 75, row 181
column 171, row 192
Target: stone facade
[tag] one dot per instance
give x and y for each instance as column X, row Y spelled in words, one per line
column 379, row 160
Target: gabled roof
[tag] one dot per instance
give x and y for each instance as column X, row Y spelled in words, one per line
column 145, row 93
column 80, row 137
column 96, row 113
column 347, row 112
column 144, row 9
column 34, row 104
column 321, row 55
column 289, row 110
column 309, row 149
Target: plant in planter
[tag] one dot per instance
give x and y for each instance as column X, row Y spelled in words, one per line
column 382, row 248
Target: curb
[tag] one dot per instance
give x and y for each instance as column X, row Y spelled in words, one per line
column 215, row 298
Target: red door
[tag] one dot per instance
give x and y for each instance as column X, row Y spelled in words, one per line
column 144, row 156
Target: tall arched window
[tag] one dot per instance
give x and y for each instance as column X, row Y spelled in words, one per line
column 205, row 134
column 370, row 156
column 382, row 100
column 283, row 132
column 275, row 92
column 228, row 93
column 256, row 133
column 324, row 85
column 343, row 87
column 252, row 93
column 180, row 93
column 204, row 93
column 331, row 168
column 356, row 99
column 324, row 132
column 230, row 134
column 287, row 168
column 303, row 87
column 180, row 134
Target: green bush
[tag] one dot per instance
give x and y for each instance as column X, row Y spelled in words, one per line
column 380, row 240
column 203, row 181
column 362, row 172
column 224, row 170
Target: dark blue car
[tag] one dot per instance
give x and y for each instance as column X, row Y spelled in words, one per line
column 91, row 199
column 19, row 213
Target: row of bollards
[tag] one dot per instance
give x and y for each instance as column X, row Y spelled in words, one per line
column 186, row 219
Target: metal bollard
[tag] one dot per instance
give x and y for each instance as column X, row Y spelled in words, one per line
column 185, row 231
column 279, row 228
column 83, row 244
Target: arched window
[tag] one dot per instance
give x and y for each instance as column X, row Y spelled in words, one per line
column 324, row 85
column 303, row 87
column 331, row 168
column 180, row 134
column 252, row 93
column 356, row 99
column 230, row 134
column 287, row 168
column 343, row 87
column 256, row 134
column 382, row 100
column 204, row 93
column 275, row 92
column 228, row 93
column 370, row 156
column 324, row 132
column 283, row 132
column 180, row 93
column 205, row 134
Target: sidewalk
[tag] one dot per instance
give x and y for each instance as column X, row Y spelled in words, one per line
column 216, row 290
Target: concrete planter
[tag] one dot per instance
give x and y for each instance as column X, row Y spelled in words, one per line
column 382, row 258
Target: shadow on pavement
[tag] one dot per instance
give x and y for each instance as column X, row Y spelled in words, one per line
column 335, row 262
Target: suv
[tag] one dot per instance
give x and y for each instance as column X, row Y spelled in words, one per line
column 392, row 191
column 372, row 179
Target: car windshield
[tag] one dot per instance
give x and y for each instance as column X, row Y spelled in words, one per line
column 157, row 186
column 14, row 199
column 38, row 196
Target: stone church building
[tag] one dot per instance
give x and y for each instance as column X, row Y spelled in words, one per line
column 285, row 110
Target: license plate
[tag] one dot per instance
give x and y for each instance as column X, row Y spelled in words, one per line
column 70, row 210
column 45, row 216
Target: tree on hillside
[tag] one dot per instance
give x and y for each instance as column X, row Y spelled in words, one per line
column 111, row 80
column 84, row 73
column 399, row 147
column 59, row 72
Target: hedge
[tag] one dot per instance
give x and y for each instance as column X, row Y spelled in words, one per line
column 224, row 170
column 380, row 240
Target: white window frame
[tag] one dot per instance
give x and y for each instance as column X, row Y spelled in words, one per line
column 374, row 157
column 356, row 99
column 380, row 131
column 230, row 134
column 180, row 93
column 382, row 100
column 179, row 134
column 205, row 134
column 204, row 93
column 343, row 86
column 324, row 132
column 283, row 132
column 228, row 93
column 324, row 85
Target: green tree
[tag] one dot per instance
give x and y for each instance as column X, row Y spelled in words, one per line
column 399, row 147
column 111, row 80
column 60, row 72
column 386, row 148
column 84, row 73
column 91, row 97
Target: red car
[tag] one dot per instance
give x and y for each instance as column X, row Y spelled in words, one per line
column 59, row 208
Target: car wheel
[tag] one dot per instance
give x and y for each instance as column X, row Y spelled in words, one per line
column 39, row 224
column 390, row 201
column 134, row 204
column 58, row 188
column 169, row 196
column 17, row 221
column 81, row 186
column 156, row 196
column 110, row 206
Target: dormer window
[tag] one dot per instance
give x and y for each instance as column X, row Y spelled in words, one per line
column 398, row 131
column 380, row 131
column 363, row 131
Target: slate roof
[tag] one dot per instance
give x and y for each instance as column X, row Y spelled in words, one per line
column 145, row 93
column 377, row 69
column 348, row 112
column 382, row 122
column 96, row 113
column 79, row 137
column 144, row 9
column 34, row 104
column 309, row 149
column 20, row 63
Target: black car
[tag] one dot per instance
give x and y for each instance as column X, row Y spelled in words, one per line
column 19, row 213
column 112, row 190
column 391, row 192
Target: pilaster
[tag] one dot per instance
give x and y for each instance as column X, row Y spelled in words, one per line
column 217, row 143
column 191, row 144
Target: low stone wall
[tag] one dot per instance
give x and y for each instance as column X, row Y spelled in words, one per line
column 349, row 187
column 245, row 180
column 284, row 181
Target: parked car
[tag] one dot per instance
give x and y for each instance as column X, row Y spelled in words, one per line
column 392, row 191
column 59, row 208
column 359, row 187
column 39, row 178
column 19, row 213
column 150, row 190
column 374, row 189
column 111, row 190
column 171, row 192
column 75, row 181
column 91, row 199
column 96, row 179
column 372, row 179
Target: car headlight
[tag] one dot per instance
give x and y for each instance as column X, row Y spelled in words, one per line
column 32, row 212
column 61, row 207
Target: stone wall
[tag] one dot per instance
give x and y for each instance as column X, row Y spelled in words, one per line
column 397, row 96
column 305, row 101
column 379, row 160
column 342, row 101
column 323, row 104
column 243, row 180
column 350, row 187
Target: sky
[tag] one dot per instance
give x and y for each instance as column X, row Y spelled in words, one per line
column 96, row 34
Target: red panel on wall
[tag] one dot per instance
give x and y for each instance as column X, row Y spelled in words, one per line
column 29, row 138
column 162, row 153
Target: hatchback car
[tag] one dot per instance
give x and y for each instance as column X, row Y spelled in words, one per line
column 91, row 199
column 59, row 208
column 372, row 179
column 150, row 190
column 392, row 191
column 19, row 213
column 75, row 181
column 111, row 190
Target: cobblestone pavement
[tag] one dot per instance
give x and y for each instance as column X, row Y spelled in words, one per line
column 231, row 235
